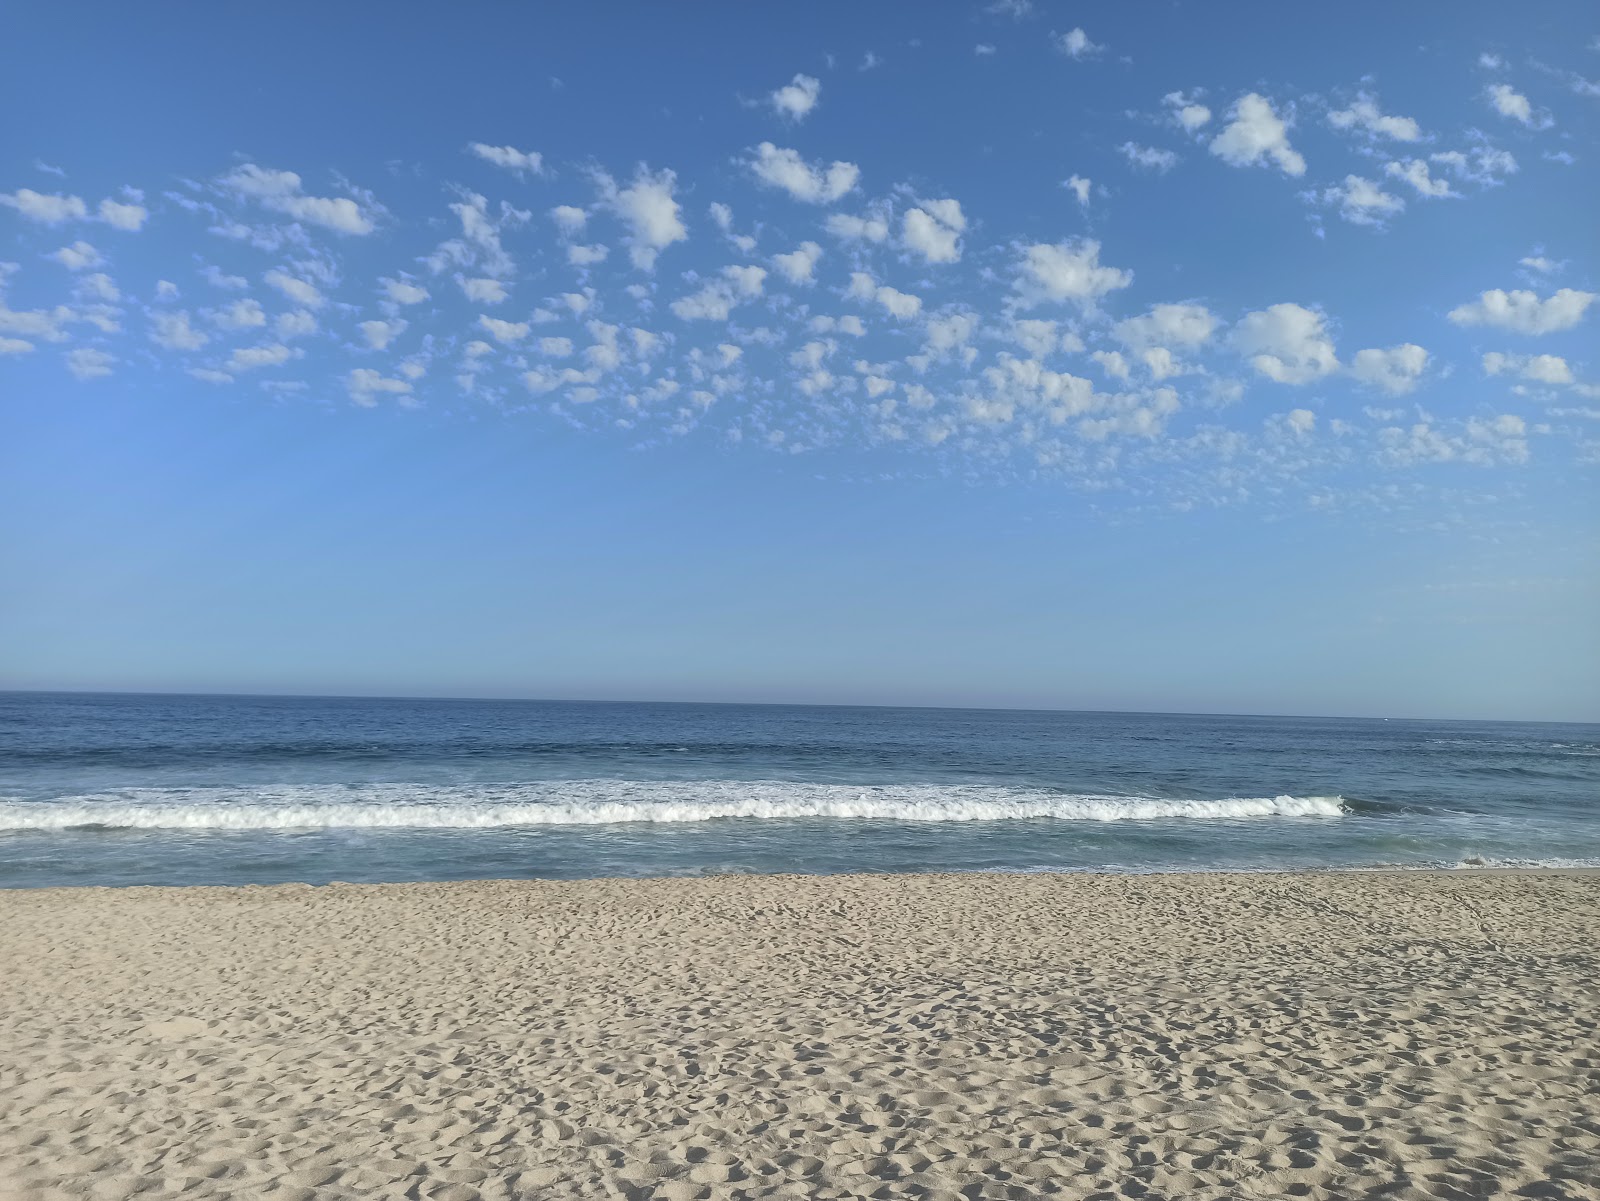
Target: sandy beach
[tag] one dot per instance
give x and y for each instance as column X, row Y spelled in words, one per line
column 1401, row 1035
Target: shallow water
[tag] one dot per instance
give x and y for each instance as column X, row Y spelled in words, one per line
column 118, row 789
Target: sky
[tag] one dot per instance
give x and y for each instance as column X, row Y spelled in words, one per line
column 1109, row 356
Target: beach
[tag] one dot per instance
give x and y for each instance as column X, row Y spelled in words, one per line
column 1400, row 1034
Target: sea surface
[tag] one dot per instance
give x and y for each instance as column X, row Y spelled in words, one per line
column 124, row 789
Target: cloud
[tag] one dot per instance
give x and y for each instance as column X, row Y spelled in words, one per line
column 717, row 299
column 1395, row 370
column 797, row 98
column 1079, row 187
column 519, row 161
column 367, row 386
column 1509, row 102
column 1523, row 312
column 48, row 209
column 1167, row 325
column 1484, row 165
column 983, row 50
column 1539, row 263
column 898, row 304
column 1361, row 201
column 280, row 192
column 651, row 213
column 1066, row 271
column 87, row 363
column 1190, row 114
column 299, row 324
column 1415, row 172
column 380, row 333
column 507, row 333
column 1149, row 157
column 933, row 230
column 1075, row 44
column 14, row 346
column 297, row 290
column 1255, row 133
column 404, row 291
column 173, row 332
column 483, row 290
column 587, row 256
column 556, row 348
column 1539, row 368
column 811, row 184
column 80, row 256
column 569, row 219
column 1365, row 116
column 1286, row 343
column 874, row 227
column 241, row 314
column 1301, row 421
column 129, row 217
column 249, row 358
column 799, row 264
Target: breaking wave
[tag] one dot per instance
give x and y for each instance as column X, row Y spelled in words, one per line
column 609, row 802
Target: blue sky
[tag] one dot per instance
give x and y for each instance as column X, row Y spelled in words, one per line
column 1093, row 356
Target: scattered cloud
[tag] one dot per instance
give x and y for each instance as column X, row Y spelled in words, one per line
column 1395, row 370
column 1066, row 272
column 933, row 230
column 520, row 162
column 1287, row 343
column 1255, row 133
column 1075, row 44
column 650, row 211
column 795, row 99
column 280, row 191
column 1149, row 157
column 1523, row 312
column 785, row 169
column 1364, row 116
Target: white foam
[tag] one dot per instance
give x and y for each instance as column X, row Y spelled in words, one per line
column 608, row 802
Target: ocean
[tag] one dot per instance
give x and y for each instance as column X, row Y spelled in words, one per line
column 102, row 789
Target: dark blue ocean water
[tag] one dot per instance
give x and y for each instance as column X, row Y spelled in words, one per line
column 118, row 789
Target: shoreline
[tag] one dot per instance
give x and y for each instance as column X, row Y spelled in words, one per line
column 1410, row 1032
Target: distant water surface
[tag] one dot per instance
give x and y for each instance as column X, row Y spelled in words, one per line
column 122, row 789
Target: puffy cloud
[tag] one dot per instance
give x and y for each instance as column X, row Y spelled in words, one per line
column 1167, row 325
column 280, row 192
column 505, row 332
column 1415, row 172
column 1484, row 441
column 1301, row 421
column 1365, row 116
column 1150, row 158
column 87, row 363
column 717, row 299
column 249, row 358
column 1190, row 114
column 569, row 219
column 1509, row 102
column 380, row 333
column 874, row 227
column 14, row 346
column 80, row 256
column 35, row 323
column 1523, row 312
column 221, row 279
column 367, row 386
column 1540, row 264
column 299, row 324
column 933, row 230
column 98, row 286
column 403, row 291
column 1484, row 165
column 1255, row 133
column 1079, row 187
column 556, row 348
column 1040, row 338
column 797, row 98
column 483, row 290
column 1113, row 363
column 241, row 314
column 1539, row 368
column 898, row 304
column 1066, row 271
column 785, row 169
column 298, row 290
column 130, row 217
column 173, row 332
column 1286, row 343
column 1362, row 202
column 587, row 256
column 1395, row 370
column 1075, row 44
column 799, row 264
column 509, row 157
column 949, row 332
column 48, row 209
column 651, row 213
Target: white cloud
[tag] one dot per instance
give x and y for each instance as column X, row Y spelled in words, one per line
column 933, row 230
column 1149, row 157
column 1362, row 202
column 14, row 346
column 220, row 279
column 80, row 256
column 1365, row 116
column 1415, row 172
column 1190, row 114
column 210, row 375
column 949, row 332
column 1286, row 343
column 404, row 291
column 505, row 332
column 173, row 332
column 811, row 184
column 1112, row 363
column 1483, row 166
column 49, row 209
column 983, row 50
column 1079, row 187
column 241, row 314
column 1395, row 370
column 483, row 291
column 380, row 333
column 1301, row 421
column 300, row 291
column 1255, row 132
column 299, row 324
column 799, row 264
column 88, row 363
column 898, row 304
column 797, row 98
column 1066, row 271
column 130, row 217
column 650, row 212
column 718, row 298
column 509, row 157
column 1523, row 312
column 1539, row 263
column 587, row 256
column 1509, row 102
column 98, row 286
column 569, row 219
column 1168, row 325
column 1075, row 44
column 249, row 358
column 280, row 192
column 556, row 348
column 874, row 227
column 1539, row 368
column 367, row 386
column 1040, row 338
column 1484, row 441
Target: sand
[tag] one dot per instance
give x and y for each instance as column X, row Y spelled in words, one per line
column 1389, row 1035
